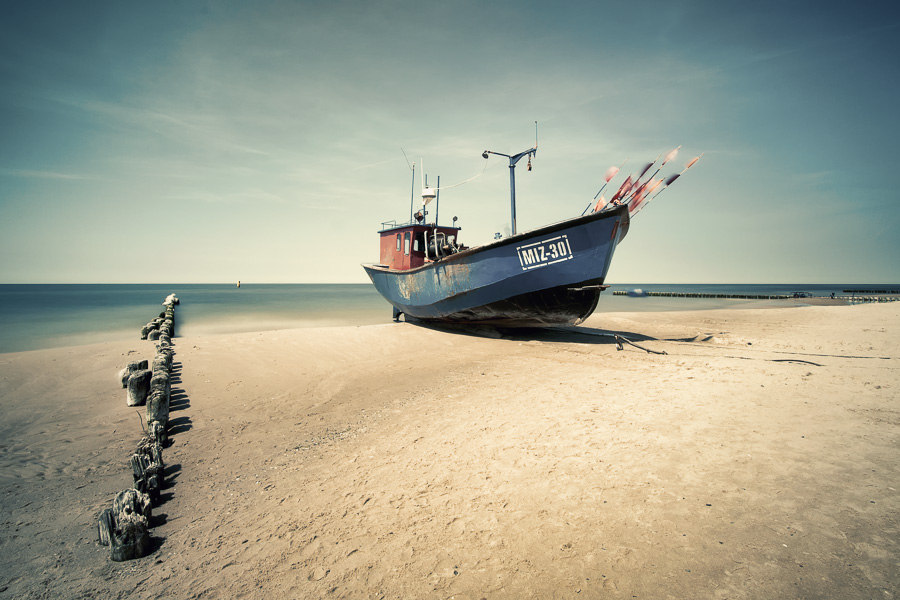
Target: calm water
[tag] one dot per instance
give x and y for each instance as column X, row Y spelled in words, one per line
column 47, row 316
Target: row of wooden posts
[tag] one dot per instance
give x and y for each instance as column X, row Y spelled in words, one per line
column 858, row 299
column 702, row 295
column 125, row 527
column 753, row 296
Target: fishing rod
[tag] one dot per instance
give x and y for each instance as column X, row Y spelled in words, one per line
column 632, row 186
column 610, row 173
column 671, row 155
column 637, row 200
column 670, row 180
column 638, row 186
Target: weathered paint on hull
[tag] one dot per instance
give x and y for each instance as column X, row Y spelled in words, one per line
column 555, row 306
column 547, row 276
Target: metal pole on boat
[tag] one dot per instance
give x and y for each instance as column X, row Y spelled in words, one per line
column 512, row 195
column 512, row 177
column 412, row 192
column 437, row 201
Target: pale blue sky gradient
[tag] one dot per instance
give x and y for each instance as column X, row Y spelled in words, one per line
column 217, row 141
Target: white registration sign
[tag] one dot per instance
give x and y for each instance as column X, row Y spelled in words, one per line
column 544, row 253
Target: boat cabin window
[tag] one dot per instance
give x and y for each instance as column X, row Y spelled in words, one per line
column 398, row 242
column 406, row 243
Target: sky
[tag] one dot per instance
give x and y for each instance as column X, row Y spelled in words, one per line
column 216, row 141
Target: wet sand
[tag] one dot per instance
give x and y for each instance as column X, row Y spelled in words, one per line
column 757, row 458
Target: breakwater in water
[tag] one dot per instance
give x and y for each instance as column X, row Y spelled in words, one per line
column 855, row 295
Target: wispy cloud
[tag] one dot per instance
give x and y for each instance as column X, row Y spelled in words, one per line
column 249, row 196
column 207, row 130
column 50, row 175
column 376, row 164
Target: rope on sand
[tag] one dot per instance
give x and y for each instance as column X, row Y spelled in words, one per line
column 620, row 339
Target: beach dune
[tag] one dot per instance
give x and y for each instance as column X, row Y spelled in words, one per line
column 756, row 458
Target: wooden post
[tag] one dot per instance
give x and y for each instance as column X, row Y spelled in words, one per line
column 138, row 387
column 160, row 383
column 147, row 466
column 131, row 368
column 158, row 432
column 105, row 526
column 125, row 527
column 160, row 362
column 158, row 412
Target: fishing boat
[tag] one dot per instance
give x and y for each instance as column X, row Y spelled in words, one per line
column 551, row 275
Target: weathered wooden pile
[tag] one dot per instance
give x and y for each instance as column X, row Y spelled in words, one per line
column 125, row 527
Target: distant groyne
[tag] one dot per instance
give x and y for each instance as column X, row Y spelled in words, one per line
column 856, row 295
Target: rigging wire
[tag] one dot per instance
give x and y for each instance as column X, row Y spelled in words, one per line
column 407, row 159
column 447, row 187
column 443, row 187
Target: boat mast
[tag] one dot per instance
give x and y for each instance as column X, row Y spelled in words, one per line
column 512, row 173
column 412, row 192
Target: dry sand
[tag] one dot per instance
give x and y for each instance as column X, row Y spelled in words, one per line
column 757, row 458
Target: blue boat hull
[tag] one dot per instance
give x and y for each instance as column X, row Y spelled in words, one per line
column 549, row 276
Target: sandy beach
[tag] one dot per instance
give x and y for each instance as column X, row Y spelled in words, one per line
column 759, row 457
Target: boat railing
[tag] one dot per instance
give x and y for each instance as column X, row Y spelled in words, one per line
column 385, row 225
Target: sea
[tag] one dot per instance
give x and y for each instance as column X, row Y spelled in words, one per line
column 39, row 316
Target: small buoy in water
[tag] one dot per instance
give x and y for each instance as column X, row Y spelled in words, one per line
column 239, row 284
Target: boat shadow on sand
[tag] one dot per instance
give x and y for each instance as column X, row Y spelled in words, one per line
column 567, row 334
